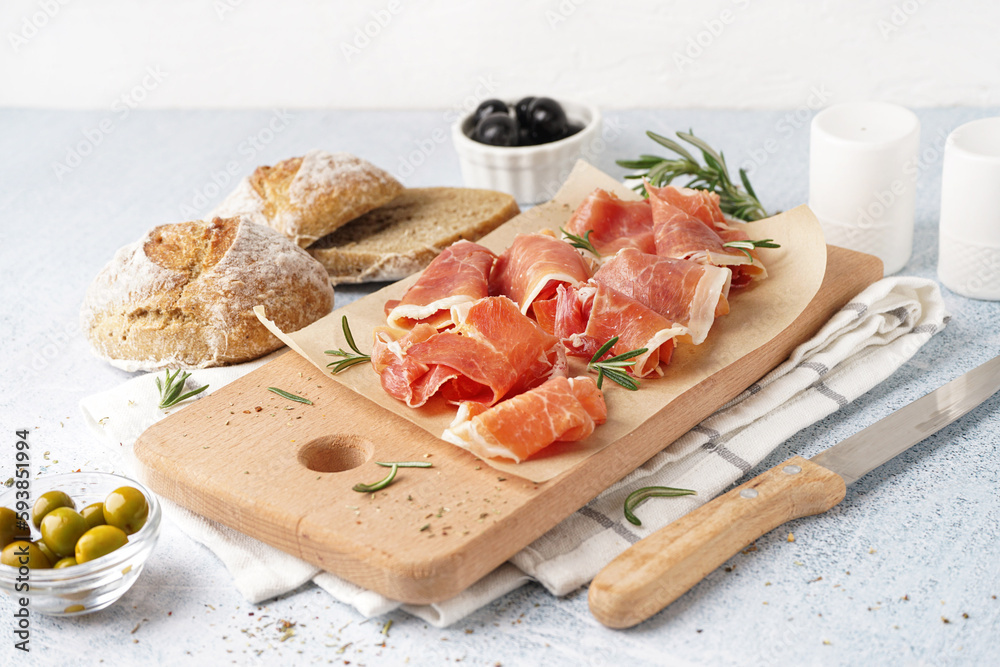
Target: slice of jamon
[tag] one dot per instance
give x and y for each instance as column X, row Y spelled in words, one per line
column 590, row 316
column 534, row 266
column 493, row 351
column 686, row 293
column 616, row 223
column 560, row 409
column 401, row 376
column 680, row 235
column 702, row 205
column 460, row 274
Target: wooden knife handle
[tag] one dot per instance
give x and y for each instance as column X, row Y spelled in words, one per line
column 660, row 568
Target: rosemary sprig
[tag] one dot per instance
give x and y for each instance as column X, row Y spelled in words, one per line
column 290, row 396
column 171, row 388
column 405, row 464
column 379, row 485
column 352, row 358
column 738, row 202
column 613, row 367
column 748, row 245
column 581, row 242
column 639, row 496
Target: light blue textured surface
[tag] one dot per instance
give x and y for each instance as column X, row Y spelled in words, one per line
column 914, row 543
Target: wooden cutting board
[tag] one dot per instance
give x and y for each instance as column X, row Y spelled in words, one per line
column 282, row 472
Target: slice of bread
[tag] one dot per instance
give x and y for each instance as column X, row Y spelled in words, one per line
column 403, row 236
column 307, row 197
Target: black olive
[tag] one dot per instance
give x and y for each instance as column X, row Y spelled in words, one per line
column 546, row 120
column 496, row 129
column 573, row 129
column 524, row 138
column 521, row 111
column 486, row 108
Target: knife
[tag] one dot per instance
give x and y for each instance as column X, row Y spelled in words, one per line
column 660, row 568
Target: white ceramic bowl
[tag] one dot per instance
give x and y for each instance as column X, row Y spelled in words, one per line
column 531, row 174
column 88, row 587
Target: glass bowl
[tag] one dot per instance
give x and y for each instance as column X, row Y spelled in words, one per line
column 91, row 586
column 532, row 174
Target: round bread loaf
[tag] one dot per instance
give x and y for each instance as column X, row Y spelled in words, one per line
column 183, row 296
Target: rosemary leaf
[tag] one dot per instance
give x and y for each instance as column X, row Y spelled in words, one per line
column 746, row 246
column 405, row 464
column 672, row 145
column 622, row 379
column 639, row 496
column 347, row 334
column 347, row 363
column 583, row 242
column 379, row 485
column 603, row 349
column 290, row 396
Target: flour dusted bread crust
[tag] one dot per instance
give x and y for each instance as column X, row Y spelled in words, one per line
column 183, row 296
column 308, row 197
column 403, row 236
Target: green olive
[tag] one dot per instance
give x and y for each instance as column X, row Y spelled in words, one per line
column 68, row 561
column 11, row 527
column 61, row 528
column 47, row 502
column 126, row 508
column 99, row 541
column 48, row 553
column 94, row 514
column 14, row 552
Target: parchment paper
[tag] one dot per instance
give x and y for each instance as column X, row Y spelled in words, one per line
column 757, row 315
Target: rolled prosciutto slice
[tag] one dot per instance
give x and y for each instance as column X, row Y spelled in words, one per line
column 686, row 293
column 616, row 223
column 493, row 351
column 587, row 317
column 680, row 235
column 534, row 266
column 562, row 408
column 702, row 205
column 458, row 275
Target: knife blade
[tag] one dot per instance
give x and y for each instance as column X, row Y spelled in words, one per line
column 661, row 567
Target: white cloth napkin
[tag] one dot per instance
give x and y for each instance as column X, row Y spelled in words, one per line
column 860, row 346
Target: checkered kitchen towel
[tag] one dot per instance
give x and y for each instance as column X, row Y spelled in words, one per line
column 864, row 343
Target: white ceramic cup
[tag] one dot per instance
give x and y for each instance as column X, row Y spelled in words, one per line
column 969, row 250
column 862, row 178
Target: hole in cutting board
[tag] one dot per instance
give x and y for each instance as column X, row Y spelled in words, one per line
column 335, row 453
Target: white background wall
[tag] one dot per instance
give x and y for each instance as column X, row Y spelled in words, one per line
column 436, row 53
